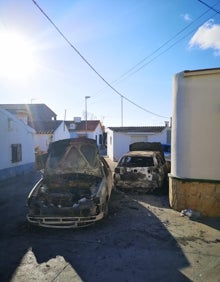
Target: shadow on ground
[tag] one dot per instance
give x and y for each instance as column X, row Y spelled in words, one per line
column 131, row 244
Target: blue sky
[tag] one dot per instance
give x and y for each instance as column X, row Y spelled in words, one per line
column 113, row 36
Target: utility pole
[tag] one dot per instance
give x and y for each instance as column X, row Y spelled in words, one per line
column 86, row 98
column 122, row 110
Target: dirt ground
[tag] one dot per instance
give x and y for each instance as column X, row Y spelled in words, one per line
column 142, row 239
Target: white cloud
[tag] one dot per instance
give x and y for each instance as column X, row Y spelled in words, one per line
column 207, row 36
column 186, row 17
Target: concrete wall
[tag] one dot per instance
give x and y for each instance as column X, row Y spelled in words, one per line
column 195, row 125
column 162, row 137
column 15, row 131
column 110, row 144
column 117, row 144
column 195, row 160
column 121, row 145
column 200, row 196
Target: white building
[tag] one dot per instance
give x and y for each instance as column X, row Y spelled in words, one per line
column 119, row 138
column 195, row 160
column 16, row 146
column 91, row 129
column 43, row 120
column 47, row 132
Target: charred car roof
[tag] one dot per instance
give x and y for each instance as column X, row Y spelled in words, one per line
column 141, row 153
column 147, row 147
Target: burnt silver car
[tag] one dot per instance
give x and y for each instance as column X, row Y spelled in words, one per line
column 143, row 168
column 75, row 188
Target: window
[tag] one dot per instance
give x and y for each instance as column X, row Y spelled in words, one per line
column 137, row 161
column 100, row 139
column 16, row 153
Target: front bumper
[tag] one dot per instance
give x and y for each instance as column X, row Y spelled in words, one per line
column 64, row 222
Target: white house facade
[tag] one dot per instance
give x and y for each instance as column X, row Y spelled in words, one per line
column 119, row 138
column 47, row 132
column 194, row 180
column 16, row 145
column 92, row 129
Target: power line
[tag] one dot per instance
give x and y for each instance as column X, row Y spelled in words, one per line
column 134, row 69
column 210, row 7
column 86, row 61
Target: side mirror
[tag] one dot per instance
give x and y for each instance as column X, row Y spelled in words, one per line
column 117, row 170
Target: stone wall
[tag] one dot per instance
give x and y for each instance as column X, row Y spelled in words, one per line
column 202, row 196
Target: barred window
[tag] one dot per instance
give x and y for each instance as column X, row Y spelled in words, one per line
column 16, row 153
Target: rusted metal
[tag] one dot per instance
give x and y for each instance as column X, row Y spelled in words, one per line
column 140, row 169
column 75, row 188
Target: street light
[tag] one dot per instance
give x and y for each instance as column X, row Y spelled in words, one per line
column 86, row 97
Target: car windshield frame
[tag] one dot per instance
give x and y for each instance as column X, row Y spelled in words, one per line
column 137, row 161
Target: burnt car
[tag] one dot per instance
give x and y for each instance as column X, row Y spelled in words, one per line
column 75, row 187
column 142, row 168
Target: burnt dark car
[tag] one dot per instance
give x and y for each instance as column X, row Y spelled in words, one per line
column 143, row 168
column 75, row 188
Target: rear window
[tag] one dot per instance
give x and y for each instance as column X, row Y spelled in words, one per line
column 136, row 161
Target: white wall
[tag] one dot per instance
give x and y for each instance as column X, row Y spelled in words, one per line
column 121, row 145
column 90, row 134
column 196, row 125
column 95, row 134
column 118, row 142
column 61, row 132
column 15, row 131
column 159, row 137
column 43, row 140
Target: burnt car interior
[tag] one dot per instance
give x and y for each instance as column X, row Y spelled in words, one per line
column 143, row 167
column 136, row 161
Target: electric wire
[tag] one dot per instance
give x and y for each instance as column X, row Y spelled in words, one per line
column 210, row 7
column 134, row 69
column 130, row 72
column 87, row 62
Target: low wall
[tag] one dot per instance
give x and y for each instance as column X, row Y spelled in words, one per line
column 200, row 195
column 15, row 171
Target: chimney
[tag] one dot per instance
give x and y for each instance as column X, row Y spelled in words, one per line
column 166, row 123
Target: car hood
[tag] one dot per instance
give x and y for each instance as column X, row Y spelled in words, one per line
column 75, row 156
